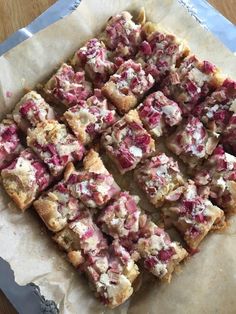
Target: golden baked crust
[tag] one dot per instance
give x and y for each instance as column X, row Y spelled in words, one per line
column 93, row 163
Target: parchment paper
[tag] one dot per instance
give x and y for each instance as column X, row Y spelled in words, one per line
column 207, row 282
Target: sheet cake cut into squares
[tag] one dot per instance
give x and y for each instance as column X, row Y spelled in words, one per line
column 25, row 178
column 158, row 176
column 160, row 51
column 217, row 109
column 122, row 35
column 123, row 219
column 93, row 57
column 192, row 215
column 159, row 114
column 68, row 87
column 189, row 84
column 30, row 110
column 93, row 184
column 217, row 179
column 52, row 142
column 229, row 136
column 10, row 145
column 127, row 142
column 192, row 142
column 90, row 118
column 127, row 86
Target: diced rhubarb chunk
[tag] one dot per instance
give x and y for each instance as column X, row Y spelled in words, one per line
column 193, row 215
column 217, row 179
column 192, row 142
column 127, row 86
column 191, row 82
column 93, row 185
column 52, row 142
column 93, row 58
column 158, row 177
column 111, row 274
column 31, row 110
column 216, row 111
column 25, row 178
column 127, row 142
column 122, row 35
column 160, row 52
column 159, row 114
column 229, row 136
column 90, row 118
column 68, row 87
column 120, row 219
column 10, row 146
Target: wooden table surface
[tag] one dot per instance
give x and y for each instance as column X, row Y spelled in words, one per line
column 15, row 14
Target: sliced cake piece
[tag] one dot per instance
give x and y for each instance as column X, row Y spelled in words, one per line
column 192, row 142
column 127, row 142
column 159, row 114
column 191, row 82
column 158, row 176
column 93, row 58
column 68, row 87
column 25, row 178
column 31, row 110
column 90, row 118
column 10, row 146
column 217, row 179
column 193, row 215
column 52, row 142
column 93, row 184
column 127, row 86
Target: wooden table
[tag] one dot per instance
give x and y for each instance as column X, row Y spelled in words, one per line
column 15, row 14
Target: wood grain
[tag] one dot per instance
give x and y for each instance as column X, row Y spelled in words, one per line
column 15, row 14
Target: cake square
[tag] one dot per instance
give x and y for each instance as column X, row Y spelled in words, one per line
column 68, row 87
column 161, row 51
column 122, row 35
column 127, row 86
column 189, row 84
column 25, row 178
column 158, row 114
column 52, row 142
column 93, row 184
column 10, row 146
column 193, row 215
column 90, row 118
column 30, row 110
column 217, row 109
column 217, row 179
column 192, row 142
column 127, row 142
column 158, row 177
column 93, row 57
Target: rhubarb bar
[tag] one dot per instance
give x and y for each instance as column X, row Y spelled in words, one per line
column 216, row 111
column 161, row 51
column 10, row 146
column 93, row 184
column 127, row 142
column 25, row 178
column 90, row 118
column 31, row 110
column 217, row 179
column 122, row 35
column 192, row 142
column 229, row 136
column 52, row 142
column 193, row 215
column 159, row 114
column 158, row 177
column 68, row 87
column 93, row 58
column 127, row 86
column 189, row 84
